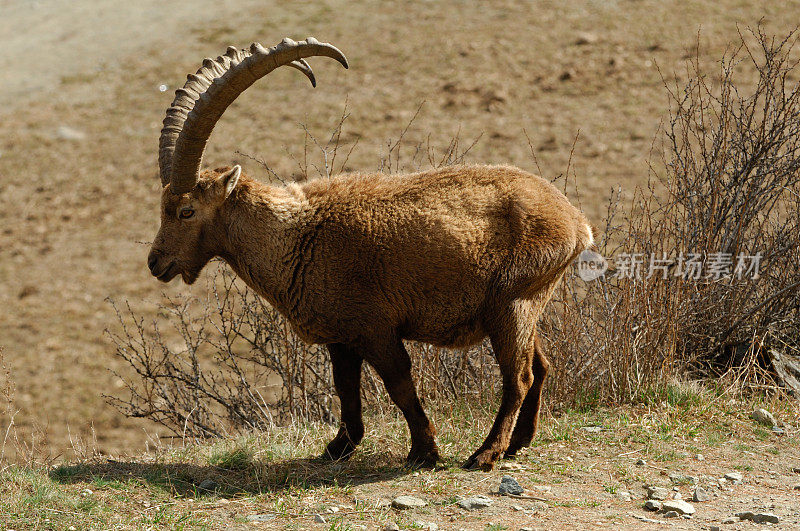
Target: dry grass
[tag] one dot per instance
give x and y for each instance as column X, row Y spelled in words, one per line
column 274, row 473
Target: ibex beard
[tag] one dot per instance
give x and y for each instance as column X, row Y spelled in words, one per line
column 362, row 262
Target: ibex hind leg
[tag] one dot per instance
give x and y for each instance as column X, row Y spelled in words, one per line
column 512, row 333
column 528, row 419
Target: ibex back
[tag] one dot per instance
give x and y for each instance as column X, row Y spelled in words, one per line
column 361, row 262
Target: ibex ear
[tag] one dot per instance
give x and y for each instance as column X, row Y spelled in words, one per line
column 230, row 179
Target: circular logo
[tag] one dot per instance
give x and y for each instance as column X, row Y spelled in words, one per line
column 591, row 265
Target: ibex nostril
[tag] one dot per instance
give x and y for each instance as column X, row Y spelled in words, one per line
column 151, row 262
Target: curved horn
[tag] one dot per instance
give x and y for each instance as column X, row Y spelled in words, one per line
column 200, row 103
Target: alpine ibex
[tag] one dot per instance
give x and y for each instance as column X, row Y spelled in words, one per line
column 362, row 262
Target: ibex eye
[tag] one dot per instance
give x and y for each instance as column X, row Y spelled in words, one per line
column 186, row 213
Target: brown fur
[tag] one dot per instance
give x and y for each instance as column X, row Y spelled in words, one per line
column 362, row 262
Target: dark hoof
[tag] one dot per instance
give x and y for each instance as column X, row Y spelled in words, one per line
column 338, row 450
column 482, row 460
column 423, row 458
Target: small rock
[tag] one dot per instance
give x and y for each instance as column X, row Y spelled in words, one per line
column 671, row 514
column 525, row 529
column 714, row 528
column 539, row 507
column 318, row 518
column 208, row 485
column 68, row 133
column 391, row 526
column 759, row 518
column 734, row 477
column 517, row 508
column 592, row 429
column 680, row 479
column 408, row 502
column 652, row 505
column 777, row 431
column 680, row 506
column 730, row 520
column 641, row 462
column 542, row 488
column 700, row 457
column 677, row 496
column 657, row 493
column 586, row 38
column 333, row 509
column 86, row 492
column 700, row 495
column 624, row 495
column 566, row 75
column 509, row 485
column 764, row 417
column 475, row 502
column 260, row 517
column 510, row 466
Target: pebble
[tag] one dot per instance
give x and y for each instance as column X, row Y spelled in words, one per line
column 518, row 508
column 734, row 477
column 392, row 526
column 730, row 520
column 208, row 485
column 671, row 514
column 680, row 479
column 68, row 133
column 700, row 457
column 318, row 518
column 592, row 429
column 657, row 493
column 260, row 517
column 759, row 518
column 652, row 505
column 714, row 528
column 542, row 488
column 408, row 502
column 680, row 506
column 700, row 495
column 586, row 38
column 641, row 462
column 624, row 495
column 475, row 502
column 509, row 485
column 510, row 466
column 764, row 417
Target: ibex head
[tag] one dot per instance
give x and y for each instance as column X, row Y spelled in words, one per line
column 191, row 201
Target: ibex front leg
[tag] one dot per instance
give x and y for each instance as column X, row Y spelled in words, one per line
column 347, row 378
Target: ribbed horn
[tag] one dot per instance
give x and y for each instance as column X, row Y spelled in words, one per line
column 203, row 99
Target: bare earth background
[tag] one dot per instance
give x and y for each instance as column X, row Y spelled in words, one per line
column 80, row 113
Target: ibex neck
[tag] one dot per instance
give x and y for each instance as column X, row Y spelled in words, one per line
column 262, row 226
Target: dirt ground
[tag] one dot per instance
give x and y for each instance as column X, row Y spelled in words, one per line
column 81, row 107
